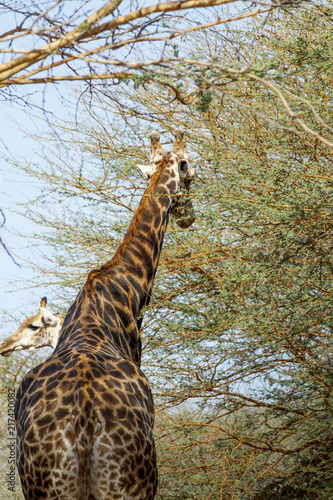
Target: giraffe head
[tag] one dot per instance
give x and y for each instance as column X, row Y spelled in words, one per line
column 181, row 207
column 40, row 330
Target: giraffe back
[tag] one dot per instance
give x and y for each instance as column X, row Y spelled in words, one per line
column 86, row 421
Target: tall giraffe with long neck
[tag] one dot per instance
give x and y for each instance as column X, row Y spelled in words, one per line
column 85, row 416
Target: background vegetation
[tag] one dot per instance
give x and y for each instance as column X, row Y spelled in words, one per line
column 237, row 339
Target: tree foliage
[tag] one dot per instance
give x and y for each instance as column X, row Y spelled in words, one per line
column 64, row 40
column 237, row 339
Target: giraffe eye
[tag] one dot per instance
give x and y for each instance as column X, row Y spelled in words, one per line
column 183, row 165
column 34, row 327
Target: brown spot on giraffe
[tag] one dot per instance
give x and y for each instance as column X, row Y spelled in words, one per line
column 85, row 416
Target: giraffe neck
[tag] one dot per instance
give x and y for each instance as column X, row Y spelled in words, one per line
column 115, row 293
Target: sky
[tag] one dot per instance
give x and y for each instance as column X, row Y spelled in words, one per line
column 16, row 295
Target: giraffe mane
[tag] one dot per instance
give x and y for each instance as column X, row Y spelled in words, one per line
column 134, row 224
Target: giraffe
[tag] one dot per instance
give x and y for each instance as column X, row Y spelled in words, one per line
column 85, row 416
column 40, row 330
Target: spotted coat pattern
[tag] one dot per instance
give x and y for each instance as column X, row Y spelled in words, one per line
column 85, row 416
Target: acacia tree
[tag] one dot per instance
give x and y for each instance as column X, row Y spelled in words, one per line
column 44, row 43
column 73, row 41
column 237, row 339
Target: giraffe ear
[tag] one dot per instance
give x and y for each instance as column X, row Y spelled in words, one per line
column 49, row 319
column 146, row 170
column 191, row 173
